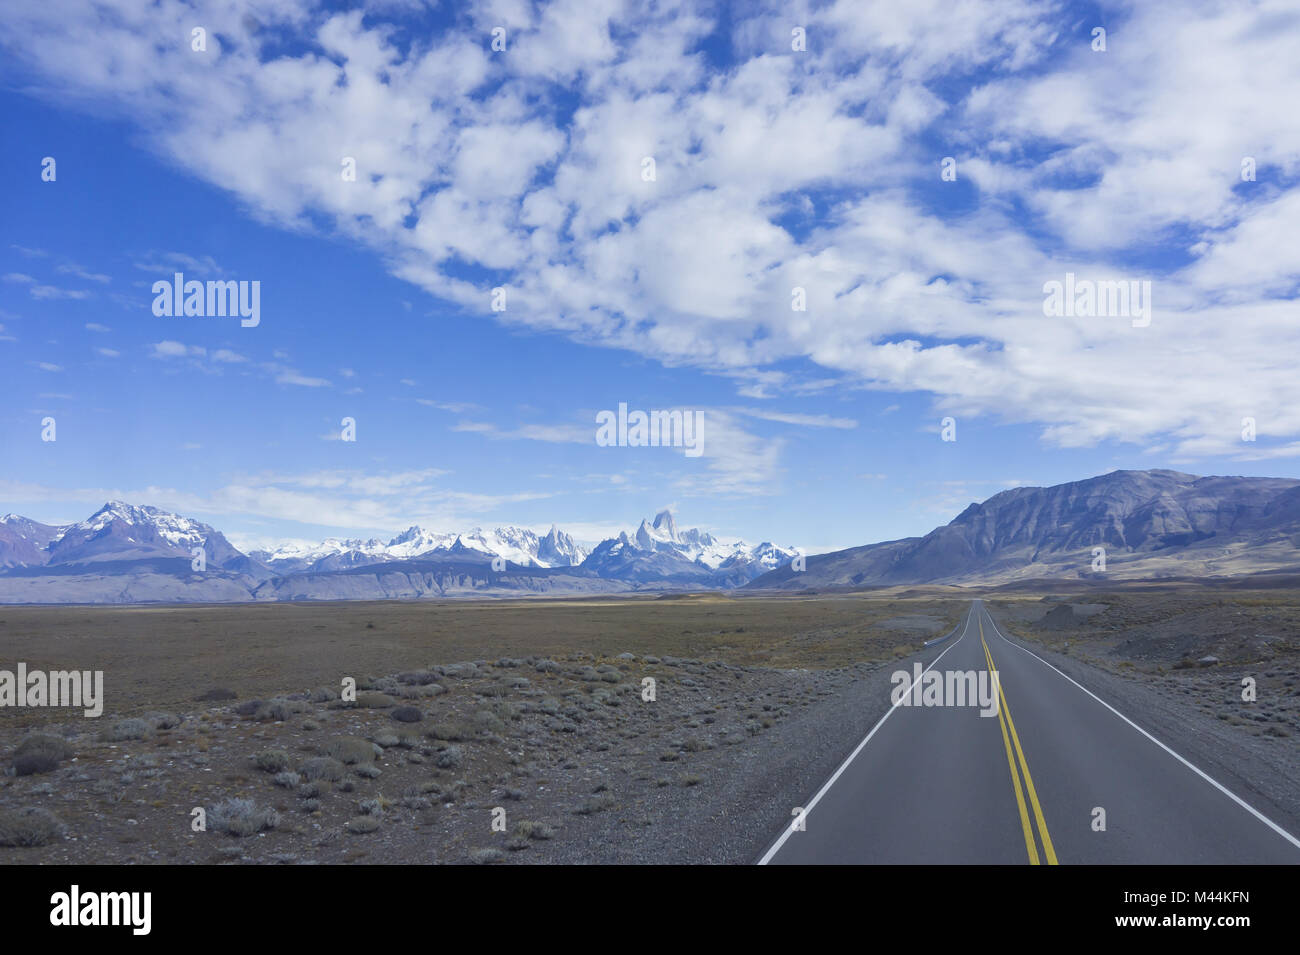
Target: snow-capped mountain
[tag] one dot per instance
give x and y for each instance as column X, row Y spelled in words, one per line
column 24, row 541
column 558, row 549
column 517, row 545
column 123, row 532
column 127, row 553
column 658, row 551
column 415, row 541
column 333, row 553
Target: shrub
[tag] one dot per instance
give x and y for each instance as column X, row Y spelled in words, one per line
column 407, row 714
column 486, row 856
column 374, row 701
column 241, row 817
column 55, row 746
column 418, row 678
column 128, row 729
column 31, row 764
column 275, row 711
column 352, row 749
column 488, row 722
column 215, row 694
column 452, row 732
column 322, row 767
column 449, row 758
column 31, row 826
column 597, row 803
column 527, row 829
column 362, row 824
column 164, row 721
column 272, row 760
column 368, row 771
column 287, row 780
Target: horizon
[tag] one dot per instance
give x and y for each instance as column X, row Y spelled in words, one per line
column 389, row 538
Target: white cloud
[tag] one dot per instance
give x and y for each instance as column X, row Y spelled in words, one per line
column 44, row 292
column 83, row 274
column 172, row 349
column 811, row 170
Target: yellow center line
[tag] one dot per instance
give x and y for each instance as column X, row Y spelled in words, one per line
column 1005, row 709
column 1020, row 796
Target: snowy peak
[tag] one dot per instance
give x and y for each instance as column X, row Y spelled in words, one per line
column 122, row 531
column 176, row 531
column 517, row 545
column 23, row 541
column 558, row 549
column 658, row 550
column 415, row 541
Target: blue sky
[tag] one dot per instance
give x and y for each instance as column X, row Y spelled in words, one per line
column 522, row 169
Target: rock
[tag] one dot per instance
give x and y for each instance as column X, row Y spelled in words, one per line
column 1208, row 661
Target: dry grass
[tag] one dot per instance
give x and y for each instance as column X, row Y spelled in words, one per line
column 153, row 657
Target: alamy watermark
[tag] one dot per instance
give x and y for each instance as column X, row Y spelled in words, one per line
column 77, row 688
column 212, row 299
column 76, row 908
column 950, row 688
column 653, row 429
column 1125, row 298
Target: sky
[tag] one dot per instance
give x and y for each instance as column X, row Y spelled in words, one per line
column 653, row 189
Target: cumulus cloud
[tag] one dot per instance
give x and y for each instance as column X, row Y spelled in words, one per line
column 788, row 170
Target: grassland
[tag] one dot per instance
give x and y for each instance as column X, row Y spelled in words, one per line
column 164, row 657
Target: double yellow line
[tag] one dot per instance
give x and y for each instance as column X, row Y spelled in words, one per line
column 1004, row 719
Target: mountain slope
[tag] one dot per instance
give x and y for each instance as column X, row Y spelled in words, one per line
column 1151, row 524
column 24, row 541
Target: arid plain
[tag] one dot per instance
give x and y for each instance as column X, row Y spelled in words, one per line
column 595, row 730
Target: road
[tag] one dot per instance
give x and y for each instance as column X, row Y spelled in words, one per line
column 945, row 784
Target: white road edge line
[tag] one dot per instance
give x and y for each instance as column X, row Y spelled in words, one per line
column 785, row 834
column 1204, row 775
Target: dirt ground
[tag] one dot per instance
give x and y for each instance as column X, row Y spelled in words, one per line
column 526, row 731
column 481, row 732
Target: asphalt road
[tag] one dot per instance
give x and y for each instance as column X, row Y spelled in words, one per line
column 945, row 784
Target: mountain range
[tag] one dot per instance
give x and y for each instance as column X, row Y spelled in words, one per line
column 128, row 553
column 1147, row 524
column 1124, row 525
